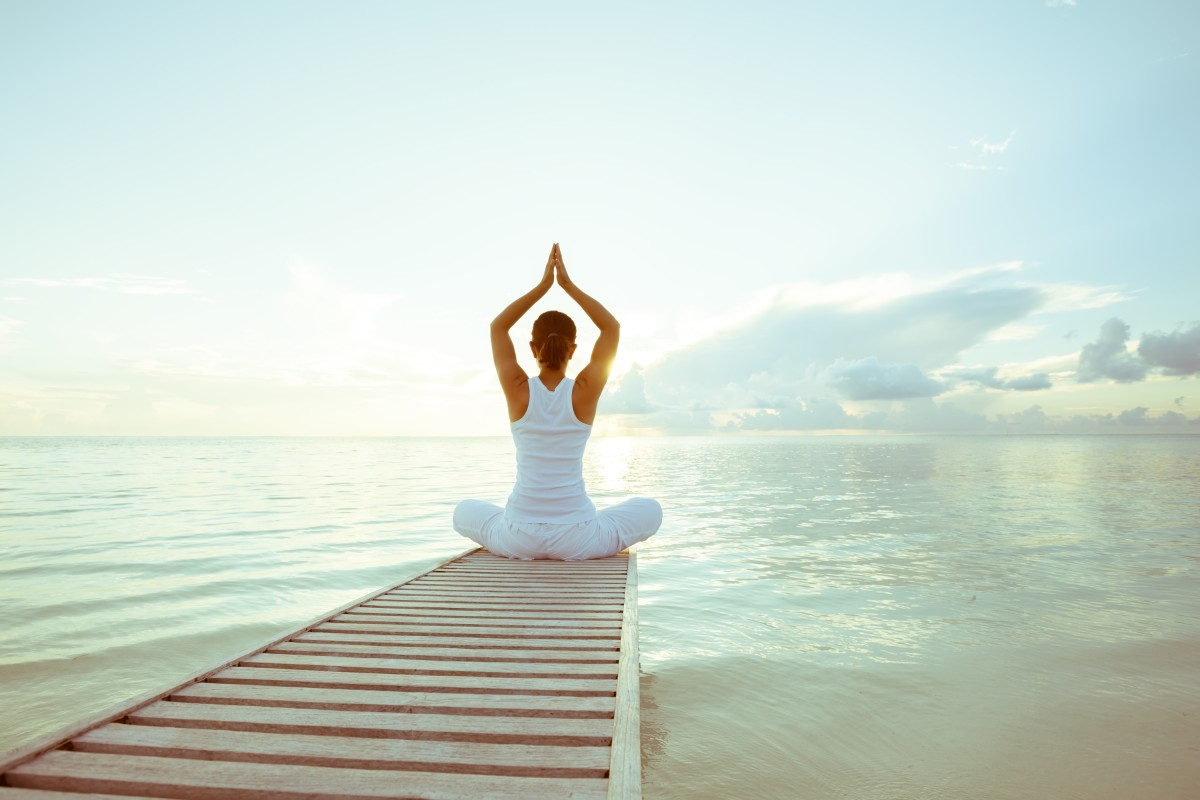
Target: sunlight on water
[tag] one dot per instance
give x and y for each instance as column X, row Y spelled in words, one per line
column 820, row 618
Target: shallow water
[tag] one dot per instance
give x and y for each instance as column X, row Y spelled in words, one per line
column 820, row 617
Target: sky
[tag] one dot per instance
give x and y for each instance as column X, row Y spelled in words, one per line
column 298, row 218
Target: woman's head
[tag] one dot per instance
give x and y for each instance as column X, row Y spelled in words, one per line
column 553, row 339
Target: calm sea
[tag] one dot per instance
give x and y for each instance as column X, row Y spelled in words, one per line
column 820, row 617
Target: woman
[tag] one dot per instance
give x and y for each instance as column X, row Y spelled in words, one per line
column 549, row 514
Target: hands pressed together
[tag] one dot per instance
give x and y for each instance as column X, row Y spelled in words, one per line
column 555, row 270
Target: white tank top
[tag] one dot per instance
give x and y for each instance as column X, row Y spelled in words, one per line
column 550, row 441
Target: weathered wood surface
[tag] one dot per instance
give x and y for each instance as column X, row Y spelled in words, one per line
column 484, row 677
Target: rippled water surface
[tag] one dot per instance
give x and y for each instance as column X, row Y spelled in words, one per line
column 820, row 617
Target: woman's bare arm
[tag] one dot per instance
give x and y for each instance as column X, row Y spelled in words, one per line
column 594, row 376
column 513, row 379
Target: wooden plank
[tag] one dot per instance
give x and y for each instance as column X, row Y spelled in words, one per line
column 416, row 683
column 470, row 562
column 515, row 587
column 460, row 617
column 573, row 592
column 625, row 771
column 397, row 638
column 564, row 570
column 483, row 600
column 516, row 591
column 188, row 779
column 378, row 724
column 477, row 613
column 62, row 735
column 548, row 578
column 523, row 581
column 447, row 653
column 467, row 605
column 508, row 632
column 347, row 751
column 508, row 620
column 484, row 597
column 603, row 649
column 408, row 666
column 398, row 702
column 545, row 564
column 374, row 655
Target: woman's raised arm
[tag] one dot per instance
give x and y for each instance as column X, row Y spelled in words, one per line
column 504, row 355
column 592, row 378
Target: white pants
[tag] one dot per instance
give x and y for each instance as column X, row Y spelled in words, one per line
column 611, row 531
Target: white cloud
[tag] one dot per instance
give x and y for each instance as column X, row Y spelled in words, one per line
column 990, row 378
column 1062, row 3
column 1016, row 332
column 993, row 148
column 983, row 158
column 1078, row 297
column 867, row 379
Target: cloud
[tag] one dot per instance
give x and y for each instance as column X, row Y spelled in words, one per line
column 812, row 414
column 1179, row 401
column 788, row 359
column 1077, row 297
column 122, row 282
column 784, row 348
column 867, row 379
column 1135, row 416
column 1062, row 3
column 1029, row 383
column 1032, row 419
column 1177, row 353
column 983, row 157
column 1015, row 332
column 993, row 148
column 924, row 415
column 1107, row 357
column 628, row 396
column 987, row 376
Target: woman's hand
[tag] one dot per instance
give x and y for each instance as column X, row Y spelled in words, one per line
column 548, row 275
column 560, row 269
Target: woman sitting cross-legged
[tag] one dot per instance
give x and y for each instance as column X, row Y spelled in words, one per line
column 549, row 514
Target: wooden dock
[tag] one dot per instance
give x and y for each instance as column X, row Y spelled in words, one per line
column 482, row 678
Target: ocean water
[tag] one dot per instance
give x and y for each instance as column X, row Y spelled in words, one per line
column 826, row 617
